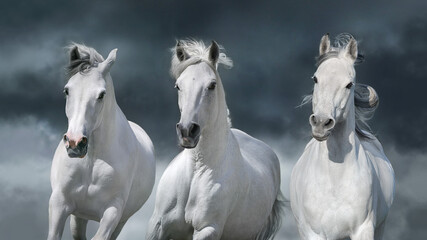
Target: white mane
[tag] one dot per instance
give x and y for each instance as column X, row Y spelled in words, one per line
column 197, row 51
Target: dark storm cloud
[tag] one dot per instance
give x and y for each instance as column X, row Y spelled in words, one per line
column 273, row 46
column 399, row 75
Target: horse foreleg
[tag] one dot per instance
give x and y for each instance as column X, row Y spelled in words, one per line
column 58, row 213
column 78, row 227
column 155, row 229
column 108, row 223
column 207, row 233
column 117, row 230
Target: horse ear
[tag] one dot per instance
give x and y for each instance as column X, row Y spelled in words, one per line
column 325, row 44
column 214, row 53
column 181, row 54
column 106, row 65
column 351, row 49
column 74, row 54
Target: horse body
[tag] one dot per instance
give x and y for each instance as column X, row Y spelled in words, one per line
column 334, row 199
column 104, row 174
column 112, row 179
column 343, row 184
column 230, row 193
column 223, row 186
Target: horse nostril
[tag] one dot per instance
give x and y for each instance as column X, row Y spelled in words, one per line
column 65, row 138
column 179, row 129
column 313, row 120
column 83, row 142
column 194, row 130
column 329, row 123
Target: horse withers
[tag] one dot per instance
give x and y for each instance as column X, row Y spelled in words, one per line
column 103, row 168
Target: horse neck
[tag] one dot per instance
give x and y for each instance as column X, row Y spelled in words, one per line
column 214, row 138
column 112, row 117
column 341, row 144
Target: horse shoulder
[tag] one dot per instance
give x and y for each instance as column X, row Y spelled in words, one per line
column 57, row 165
column 174, row 185
column 300, row 168
column 65, row 172
column 299, row 177
column 171, row 198
column 383, row 169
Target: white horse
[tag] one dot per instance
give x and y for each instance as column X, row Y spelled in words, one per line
column 343, row 184
column 225, row 184
column 103, row 169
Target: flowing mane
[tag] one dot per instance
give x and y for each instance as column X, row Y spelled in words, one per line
column 197, row 51
column 366, row 99
column 89, row 58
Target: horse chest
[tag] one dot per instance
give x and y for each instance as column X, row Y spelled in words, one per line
column 204, row 198
column 92, row 185
column 334, row 208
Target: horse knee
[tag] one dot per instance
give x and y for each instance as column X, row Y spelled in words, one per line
column 207, row 233
column 155, row 230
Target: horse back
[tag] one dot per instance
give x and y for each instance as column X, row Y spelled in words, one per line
column 258, row 154
column 262, row 169
column 144, row 140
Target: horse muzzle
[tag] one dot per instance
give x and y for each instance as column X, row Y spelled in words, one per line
column 188, row 136
column 321, row 126
column 76, row 148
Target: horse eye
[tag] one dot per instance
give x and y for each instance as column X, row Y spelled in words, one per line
column 314, row 79
column 66, row 91
column 212, row 86
column 349, row 85
column 101, row 95
column 176, row 86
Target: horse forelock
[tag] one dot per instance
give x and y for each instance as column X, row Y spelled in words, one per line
column 89, row 58
column 197, row 52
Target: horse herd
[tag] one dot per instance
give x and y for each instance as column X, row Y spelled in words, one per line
column 225, row 184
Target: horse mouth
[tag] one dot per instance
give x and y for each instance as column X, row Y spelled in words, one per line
column 321, row 138
column 76, row 152
column 187, row 142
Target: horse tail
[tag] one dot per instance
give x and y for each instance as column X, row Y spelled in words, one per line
column 274, row 221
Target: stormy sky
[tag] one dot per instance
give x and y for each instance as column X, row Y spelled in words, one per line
column 273, row 45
